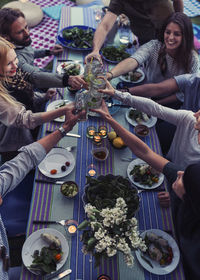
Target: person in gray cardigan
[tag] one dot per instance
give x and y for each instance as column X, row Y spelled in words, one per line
column 14, row 28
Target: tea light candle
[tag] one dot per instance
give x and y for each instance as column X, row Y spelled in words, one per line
column 91, row 170
column 91, row 131
column 72, row 229
column 97, row 138
column 103, row 131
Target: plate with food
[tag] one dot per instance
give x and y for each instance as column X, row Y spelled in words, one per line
column 144, row 176
column 135, row 117
column 76, row 37
column 135, row 77
column 58, row 163
column 45, row 251
column 71, row 68
column 113, row 54
column 162, row 255
column 55, row 105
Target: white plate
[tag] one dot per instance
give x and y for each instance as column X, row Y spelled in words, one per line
column 60, row 70
column 140, row 161
column 54, row 160
column 35, row 242
column 157, row 269
column 151, row 122
column 54, row 105
column 123, row 78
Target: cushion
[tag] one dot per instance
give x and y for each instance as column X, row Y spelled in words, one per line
column 32, row 12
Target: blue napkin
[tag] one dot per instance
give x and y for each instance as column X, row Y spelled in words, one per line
column 96, row 2
column 53, row 11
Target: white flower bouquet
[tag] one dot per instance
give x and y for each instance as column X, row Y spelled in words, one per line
column 109, row 229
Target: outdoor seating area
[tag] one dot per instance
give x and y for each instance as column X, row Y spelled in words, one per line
column 88, row 193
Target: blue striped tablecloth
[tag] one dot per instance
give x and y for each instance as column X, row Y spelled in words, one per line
column 48, row 203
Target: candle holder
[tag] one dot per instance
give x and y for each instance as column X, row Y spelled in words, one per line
column 97, row 138
column 91, row 170
column 91, row 131
column 71, row 227
column 103, row 131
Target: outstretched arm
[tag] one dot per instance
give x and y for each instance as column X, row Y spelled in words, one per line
column 126, row 65
column 137, row 146
column 100, row 35
column 154, row 90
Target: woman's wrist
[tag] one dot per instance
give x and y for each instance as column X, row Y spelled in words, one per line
column 111, row 75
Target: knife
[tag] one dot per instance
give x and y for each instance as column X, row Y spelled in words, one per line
column 49, row 181
column 62, row 274
column 67, row 134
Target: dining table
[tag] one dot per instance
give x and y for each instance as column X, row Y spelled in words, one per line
column 48, row 203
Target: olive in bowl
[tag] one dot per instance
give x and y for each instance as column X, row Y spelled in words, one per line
column 141, row 130
column 69, row 189
column 100, row 154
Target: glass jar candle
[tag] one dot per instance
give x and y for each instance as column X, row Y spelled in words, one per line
column 103, row 131
column 91, row 130
column 97, row 138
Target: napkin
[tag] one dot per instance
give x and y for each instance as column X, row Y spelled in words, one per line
column 53, row 11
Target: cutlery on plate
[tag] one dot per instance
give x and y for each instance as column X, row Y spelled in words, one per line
column 69, row 149
column 67, row 134
column 49, row 181
column 146, row 260
column 115, row 104
column 152, row 190
column 62, row 274
column 61, row 222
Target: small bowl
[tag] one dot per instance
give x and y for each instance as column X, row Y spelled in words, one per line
column 141, row 130
column 100, row 154
column 69, row 189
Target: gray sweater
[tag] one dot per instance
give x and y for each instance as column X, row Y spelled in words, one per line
column 39, row 77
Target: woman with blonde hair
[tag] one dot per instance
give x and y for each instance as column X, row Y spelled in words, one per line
column 17, row 119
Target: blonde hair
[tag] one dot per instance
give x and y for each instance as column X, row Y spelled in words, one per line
column 5, row 46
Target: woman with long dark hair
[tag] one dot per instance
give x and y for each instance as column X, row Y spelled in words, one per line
column 171, row 55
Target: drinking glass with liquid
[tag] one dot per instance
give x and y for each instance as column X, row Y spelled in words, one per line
column 124, row 34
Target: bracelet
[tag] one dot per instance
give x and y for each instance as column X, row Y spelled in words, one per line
column 62, row 131
column 111, row 75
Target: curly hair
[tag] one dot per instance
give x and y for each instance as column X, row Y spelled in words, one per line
column 184, row 53
column 7, row 17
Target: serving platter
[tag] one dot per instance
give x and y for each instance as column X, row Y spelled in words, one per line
column 67, row 43
column 61, row 67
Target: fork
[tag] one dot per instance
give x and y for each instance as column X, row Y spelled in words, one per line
column 69, row 149
column 61, row 222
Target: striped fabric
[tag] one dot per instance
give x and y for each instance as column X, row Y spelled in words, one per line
column 47, row 204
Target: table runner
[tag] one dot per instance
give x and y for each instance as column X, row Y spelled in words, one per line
column 45, row 206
